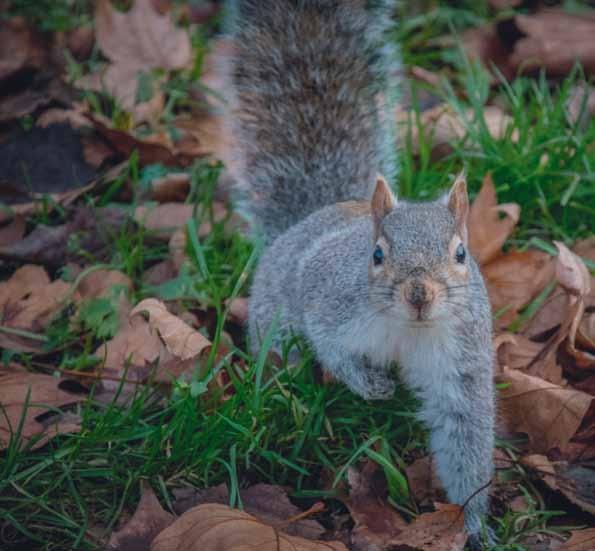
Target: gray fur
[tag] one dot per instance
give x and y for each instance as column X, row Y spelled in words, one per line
column 311, row 132
column 313, row 96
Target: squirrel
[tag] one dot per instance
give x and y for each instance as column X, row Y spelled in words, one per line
column 367, row 279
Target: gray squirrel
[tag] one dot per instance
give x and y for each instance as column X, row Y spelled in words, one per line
column 367, row 279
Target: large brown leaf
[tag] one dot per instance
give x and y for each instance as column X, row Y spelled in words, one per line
column 215, row 527
column 487, row 230
column 138, row 41
column 514, row 279
column 44, row 396
column 549, row 414
column 442, row 530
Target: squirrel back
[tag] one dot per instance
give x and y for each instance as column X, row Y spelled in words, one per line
column 311, row 113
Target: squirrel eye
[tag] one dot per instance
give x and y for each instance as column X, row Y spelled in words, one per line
column 460, row 254
column 378, row 255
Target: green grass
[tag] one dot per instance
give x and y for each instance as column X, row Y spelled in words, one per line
column 279, row 424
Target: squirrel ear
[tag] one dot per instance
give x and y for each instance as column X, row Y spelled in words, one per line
column 383, row 200
column 458, row 204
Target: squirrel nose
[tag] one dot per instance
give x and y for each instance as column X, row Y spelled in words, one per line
column 418, row 294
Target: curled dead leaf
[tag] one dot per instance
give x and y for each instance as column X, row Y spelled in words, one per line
column 214, row 527
column 180, row 339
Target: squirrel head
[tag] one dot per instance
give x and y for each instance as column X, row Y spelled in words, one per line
column 419, row 264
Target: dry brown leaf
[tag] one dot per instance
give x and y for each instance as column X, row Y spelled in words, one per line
column 442, row 530
column 44, row 395
column 573, row 480
column 424, row 483
column 100, row 282
column 164, row 219
column 549, row 316
column 554, row 40
column 153, row 149
column 267, row 502
column 571, row 272
column 20, row 48
column 549, row 414
column 215, row 527
column 168, row 218
column 170, row 188
column 180, row 339
column 134, row 344
column 376, row 522
column 487, row 231
column 29, row 300
column 533, row 358
column 12, row 232
column 148, row 520
column 580, row 540
column 139, row 40
column 514, row 279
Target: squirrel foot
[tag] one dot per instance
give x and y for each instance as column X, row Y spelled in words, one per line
column 377, row 385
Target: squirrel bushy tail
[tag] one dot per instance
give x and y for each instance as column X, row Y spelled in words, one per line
column 311, row 113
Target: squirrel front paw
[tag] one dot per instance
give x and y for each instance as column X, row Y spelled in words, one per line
column 376, row 385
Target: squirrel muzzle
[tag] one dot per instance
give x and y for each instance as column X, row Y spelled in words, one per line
column 419, row 294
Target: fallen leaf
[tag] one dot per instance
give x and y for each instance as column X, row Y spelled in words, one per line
column 167, row 218
column 424, row 483
column 554, row 40
column 99, row 283
column 442, row 530
column 180, row 339
column 549, row 316
column 267, row 502
column 376, row 522
column 576, row 481
column 519, row 352
column 29, row 300
column 580, row 540
column 488, row 231
column 549, row 414
column 170, row 188
column 215, row 527
column 20, row 48
column 571, row 272
column 136, row 42
column 43, row 394
column 514, row 279
column 12, row 232
column 93, row 228
column 148, row 521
